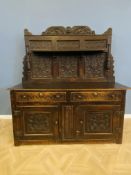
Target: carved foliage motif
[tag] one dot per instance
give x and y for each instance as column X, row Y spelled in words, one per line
column 98, row 122
column 41, row 66
column 76, row 30
column 37, row 122
column 68, row 67
column 94, row 66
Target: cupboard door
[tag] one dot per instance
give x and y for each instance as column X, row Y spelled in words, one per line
column 37, row 124
column 96, row 122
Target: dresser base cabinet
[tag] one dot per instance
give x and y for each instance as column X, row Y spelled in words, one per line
column 42, row 116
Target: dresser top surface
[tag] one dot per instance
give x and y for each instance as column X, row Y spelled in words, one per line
column 71, row 86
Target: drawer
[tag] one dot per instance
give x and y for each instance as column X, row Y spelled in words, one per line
column 96, row 96
column 27, row 97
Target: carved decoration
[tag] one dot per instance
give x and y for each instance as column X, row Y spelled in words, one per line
column 98, row 122
column 38, row 122
column 68, row 44
column 96, row 96
column 41, row 66
column 76, row 30
column 95, row 44
column 36, row 45
column 108, row 31
column 40, row 97
column 68, row 67
column 94, row 65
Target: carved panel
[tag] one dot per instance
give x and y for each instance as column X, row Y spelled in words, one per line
column 94, row 65
column 41, row 66
column 37, row 122
column 36, row 45
column 68, row 67
column 98, row 122
column 68, row 44
column 90, row 44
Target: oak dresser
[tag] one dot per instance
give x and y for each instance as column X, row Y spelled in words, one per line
column 68, row 92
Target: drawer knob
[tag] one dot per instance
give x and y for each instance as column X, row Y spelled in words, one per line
column 95, row 93
column 77, row 132
column 113, row 95
column 80, row 96
column 57, row 96
column 81, row 122
column 56, row 122
column 40, row 94
column 24, row 96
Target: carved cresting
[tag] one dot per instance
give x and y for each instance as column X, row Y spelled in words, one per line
column 75, row 30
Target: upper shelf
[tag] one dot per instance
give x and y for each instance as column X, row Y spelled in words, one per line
column 77, row 38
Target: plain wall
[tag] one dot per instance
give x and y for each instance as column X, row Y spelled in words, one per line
column 37, row 15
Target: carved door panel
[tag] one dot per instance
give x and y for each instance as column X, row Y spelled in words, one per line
column 39, row 123
column 68, row 123
column 95, row 122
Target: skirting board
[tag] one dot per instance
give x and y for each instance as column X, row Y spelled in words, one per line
column 10, row 116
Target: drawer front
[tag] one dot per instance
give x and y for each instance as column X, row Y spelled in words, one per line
column 96, row 96
column 40, row 97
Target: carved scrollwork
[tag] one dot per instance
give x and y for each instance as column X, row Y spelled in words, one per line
column 75, row 30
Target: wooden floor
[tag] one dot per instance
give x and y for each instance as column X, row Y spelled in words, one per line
column 88, row 159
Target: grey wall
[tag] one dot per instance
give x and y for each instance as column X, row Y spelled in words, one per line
column 37, row 15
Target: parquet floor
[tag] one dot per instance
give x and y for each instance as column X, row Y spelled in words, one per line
column 87, row 159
